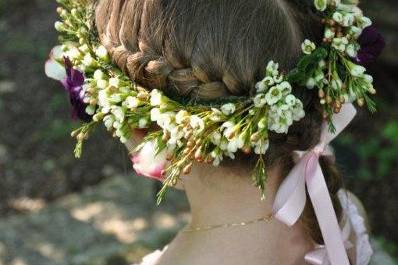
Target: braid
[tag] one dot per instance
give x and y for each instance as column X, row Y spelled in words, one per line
column 143, row 63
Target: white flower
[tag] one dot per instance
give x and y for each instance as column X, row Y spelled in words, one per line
column 340, row 43
column 273, row 95
column 88, row 60
column 308, row 46
column 272, row 68
column 216, row 116
column 321, row 5
column 108, row 121
column 90, row 110
column 261, row 147
column 228, row 109
column 216, row 138
column 355, row 31
column 261, row 86
column 102, row 53
column 357, row 70
column 132, row 102
column 329, row 34
column 336, row 83
column 364, row 22
column 119, row 113
column 197, row 123
column 102, row 84
column 143, row 123
column 298, row 111
column 259, row 101
column 285, row 88
column 234, row 145
column 114, row 82
column 59, row 26
column 351, row 50
column 290, row 100
column 155, row 114
column 310, row 83
column 73, row 53
column 229, row 129
column 182, row 116
column 165, row 120
column 348, row 20
column 217, row 156
column 156, row 98
column 368, row 78
column 338, row 17
column 99, row 75
column 263, row 123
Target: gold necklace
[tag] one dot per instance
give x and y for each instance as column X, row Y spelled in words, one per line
column 266, row 219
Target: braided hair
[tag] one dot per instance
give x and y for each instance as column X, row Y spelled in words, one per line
column 206, row 49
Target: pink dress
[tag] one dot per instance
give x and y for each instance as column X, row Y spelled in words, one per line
column 363, row 248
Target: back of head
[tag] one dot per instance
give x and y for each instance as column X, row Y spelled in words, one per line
column 206, row 49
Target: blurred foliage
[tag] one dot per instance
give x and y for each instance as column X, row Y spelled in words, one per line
column 36, row 153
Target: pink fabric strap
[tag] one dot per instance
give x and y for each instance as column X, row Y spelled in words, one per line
column 291, row 197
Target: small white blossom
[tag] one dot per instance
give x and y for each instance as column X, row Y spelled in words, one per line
column 155, row 114
column 310, row 83
column 308, row 46
column 102, row 84
column 290, row 100
column 273, row 95
column 364, row 22
column 102, row 53
column 108, row 121
column 357, row 70
column 216, row 138
column 197, row 123
column 329, row 34
column 351, row 50
column 338, row 17
column 156, row 98
column 259, row 101
column 348, row 20
column 182, row 116
column 261, row 147
column 114, row 82
column 321, row 5
column 119, row 113
column 143, row 123
column 99, row 75
column 228, row 109
column 132, row 102
column 88, row 60
column 59, row 26
column 272, row 68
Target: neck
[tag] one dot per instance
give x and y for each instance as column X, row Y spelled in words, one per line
column 227, row 195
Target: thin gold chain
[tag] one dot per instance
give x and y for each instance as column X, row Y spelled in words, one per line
column 212, row 227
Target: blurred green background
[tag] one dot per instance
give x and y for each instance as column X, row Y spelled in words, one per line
column 58, row 210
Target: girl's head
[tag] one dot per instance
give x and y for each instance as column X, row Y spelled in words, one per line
column 204, row 50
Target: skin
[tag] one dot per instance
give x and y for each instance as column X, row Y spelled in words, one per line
column 225, row 194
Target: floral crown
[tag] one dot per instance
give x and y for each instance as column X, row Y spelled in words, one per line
column 100, row 92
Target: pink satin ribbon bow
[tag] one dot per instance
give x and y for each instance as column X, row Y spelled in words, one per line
column 291, row 197
column 319, row 256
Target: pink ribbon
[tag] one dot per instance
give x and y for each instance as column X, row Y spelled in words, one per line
column 319, row 256
column 291, row 197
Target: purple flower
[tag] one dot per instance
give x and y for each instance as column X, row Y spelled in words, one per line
column 372, row 44
column 72, row 79
column 73, row 83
